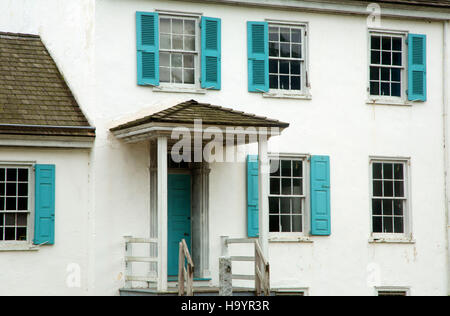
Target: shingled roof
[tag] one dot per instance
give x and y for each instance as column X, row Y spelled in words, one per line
column 34, row 98
column 188, row 112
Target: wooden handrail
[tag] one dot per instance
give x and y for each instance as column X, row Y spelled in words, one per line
column 183, row 273
column 262, row 272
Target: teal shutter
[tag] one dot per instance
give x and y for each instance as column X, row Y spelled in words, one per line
column 258, row 56
column 252, row 196
column 211, row 53
column 320, row 196
column 417, row 67
column 147, row 32
column 44, row 228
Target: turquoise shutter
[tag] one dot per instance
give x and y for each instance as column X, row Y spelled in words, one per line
column 258, row 56
column 44, row 228
column 417, row 67
column 320, row 196
column 252, row 196
column 147, row 32
column 211, row 53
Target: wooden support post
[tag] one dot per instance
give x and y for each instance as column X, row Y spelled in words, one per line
column 162, row 214
column 264, row 168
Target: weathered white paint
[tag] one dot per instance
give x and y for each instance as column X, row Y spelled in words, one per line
column 93, row 43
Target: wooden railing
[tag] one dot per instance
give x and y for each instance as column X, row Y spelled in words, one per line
column 129, row 259
column 185, row 271
column 262, row 267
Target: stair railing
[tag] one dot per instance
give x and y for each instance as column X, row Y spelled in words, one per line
column 185, row 271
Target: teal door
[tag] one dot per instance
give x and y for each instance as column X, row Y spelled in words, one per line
column 179, row 217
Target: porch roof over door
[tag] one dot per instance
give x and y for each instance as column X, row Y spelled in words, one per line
column 187, row 114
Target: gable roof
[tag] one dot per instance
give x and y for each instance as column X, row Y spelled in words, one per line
column 188, row 112
column 34, row 98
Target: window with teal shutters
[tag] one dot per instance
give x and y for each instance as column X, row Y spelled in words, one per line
column 417, row 67
column 44, row 230
column 258, row 56
column 147, row 33
column 320, row 196
column 211, row 53
column 252, row 196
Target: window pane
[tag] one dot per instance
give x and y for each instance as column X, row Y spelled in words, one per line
column 285, row 35
column 296, row 36
column 189, row 27
column 398, row 225
column 398, row 171
column 375, row 42
column 376, row 207
column 164, row 59
column 397, row 43
column 387, row 207
column 284, row 67
column 11, row 204
column 374, row 88
column 298, row 189
column 189, row 43
column 177, row 75
column 165, row 41
column 295, row 83
column 385, row 88
column 177, row 26
column 189, row 76
column 296, row 51
column 285, row 223
column 374, row 73
column 11, row 175
column 274, row 205
column 2, row 189
column 273, row 66
column 274, row 167
column 397, row 59
column 165, row 25
column 274, row 49
column 377, row 167
column 285, row 206
column 10, row 219
column 377, row 224
column 177, row 42
column 396, row 74
column 10, row 233
column 2, row 204
column 23, row 175
column 386, row 42
column 285, row 50
column 377, row 188
column 387, row 171
column 297, row 168
column 274, row 223
column 2, row 174
column 388, row 225
column 286, row 168
column 164, row 74
column 22, row 204
column 273, row 82
column 398, row 207
column 386, row 58
column 375, row 57
column 388, row 188
column 21, row 233
column 297, row 206
column 11, row 189
column 385, row 74
column 399, row 189
column 295, row 67
column 297, row 224
column 177, row 60
column 274, row 34
column 284, row 82
column 22, row 219
column 275, row 186
column 23, row 189
column 188, row 61
column 286, row 187
column 395, row 90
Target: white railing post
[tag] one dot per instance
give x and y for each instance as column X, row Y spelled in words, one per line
column 128, row 265
column 162, row 213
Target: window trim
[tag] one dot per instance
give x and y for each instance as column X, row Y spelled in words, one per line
column 24, row 245
column 389, row 100
column 304, row 235
column 182, row 87
column 305, row 93
column 407, row 236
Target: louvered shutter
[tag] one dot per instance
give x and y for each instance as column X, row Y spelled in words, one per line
column 211, row 53
column 147, row 32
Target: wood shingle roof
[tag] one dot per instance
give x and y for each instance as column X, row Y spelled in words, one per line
column 34, row 98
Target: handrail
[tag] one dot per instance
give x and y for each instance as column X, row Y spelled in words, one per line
column 183, row 273
column 262, row 271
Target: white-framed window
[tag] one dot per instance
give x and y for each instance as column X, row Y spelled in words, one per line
column 387, row 65
column 389, row 198
column 179, row 50
column 288, row 195
column 16, row 203
column 287, row 58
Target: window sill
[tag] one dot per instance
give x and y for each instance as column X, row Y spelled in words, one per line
column 373, row 240
column 282, row 95
column 290, row 239
column 9, row 247
column 179, row 90
column 388, row 102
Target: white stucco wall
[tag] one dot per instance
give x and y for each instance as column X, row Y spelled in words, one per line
column 99, row 63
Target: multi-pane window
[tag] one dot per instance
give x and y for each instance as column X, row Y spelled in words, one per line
column 286, row 57
column 178, row 50
column 386, row 65
column 388, row 197
column 14, row 203
column 287, row 196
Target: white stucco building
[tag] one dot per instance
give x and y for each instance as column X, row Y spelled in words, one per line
column 353, row 96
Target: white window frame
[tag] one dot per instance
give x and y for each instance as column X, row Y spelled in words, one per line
column 295, row 236
column 25, row 244
column 392, row 289
column 181, row 87
column 406, row 236
column 305, row 92
column 389, row 100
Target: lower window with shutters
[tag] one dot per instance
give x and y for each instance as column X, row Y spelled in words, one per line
column 16, row 205
column 288, row 196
